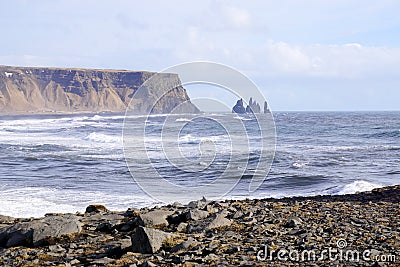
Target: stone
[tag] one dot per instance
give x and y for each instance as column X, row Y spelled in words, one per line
column 105, row 227
column 126, row 227
column 6, row 219
column 191, row 242
column 148, row 240
column 294, row 222
column 237, row 214
column 198, row 204
column 219, row 221
column 195, row 214
column 37, row 231
column 19, row 238
column 74, row 262
column 55, row 226
column 297, row 232
column 154, row 218
column 56, row 248
column 102, row 261
column 148, row 264
column 96, row 208
column 214, row 221
column 181, row 227
column 117, row 248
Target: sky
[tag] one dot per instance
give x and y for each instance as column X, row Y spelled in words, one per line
column 339, row 55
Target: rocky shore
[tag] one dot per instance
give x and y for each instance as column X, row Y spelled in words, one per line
column 350, row 230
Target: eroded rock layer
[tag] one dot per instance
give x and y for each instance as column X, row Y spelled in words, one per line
column 35, row 89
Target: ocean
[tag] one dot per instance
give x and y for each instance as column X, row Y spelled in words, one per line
column 63, row 163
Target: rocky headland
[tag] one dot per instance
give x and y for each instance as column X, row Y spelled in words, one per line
column 32, row 90
column 350, row 230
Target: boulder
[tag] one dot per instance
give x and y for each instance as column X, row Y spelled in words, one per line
column 102, row 222
column 96, row 208
column 118, row 247
column 198, row 204
column 148, row 240
column 214, row 221
column 36, row 232
column 195, row 214
column 153, row 218
column 219, row 221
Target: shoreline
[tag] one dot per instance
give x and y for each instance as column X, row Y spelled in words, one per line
column 231, row 232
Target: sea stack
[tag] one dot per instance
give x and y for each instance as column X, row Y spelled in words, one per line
column 266, row 109
column 239, row 108
column 252, row 107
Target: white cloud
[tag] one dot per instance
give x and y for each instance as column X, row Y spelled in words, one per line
column 351, row 60
column 236, row 17
column 287, row 58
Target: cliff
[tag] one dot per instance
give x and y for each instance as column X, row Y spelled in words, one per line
column 34, row 89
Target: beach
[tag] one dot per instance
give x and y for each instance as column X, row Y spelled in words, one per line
column 332, row 230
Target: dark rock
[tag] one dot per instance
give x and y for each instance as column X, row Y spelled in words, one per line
column 105, row 227
column 118, row 248
column 253, row 107
column 96, row 208
column 102, row 222
column 126, row 227
column 249, row 220
column 294, row 222
column 19, row 238
column 148, row 240
column 297, row 231
column 148, row 264
column 199, row 204
column 239, row 107
column 266, row 109
column 131, row 212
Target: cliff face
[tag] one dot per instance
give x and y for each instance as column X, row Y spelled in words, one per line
column 30, row 90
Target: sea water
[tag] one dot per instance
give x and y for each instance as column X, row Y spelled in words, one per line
column 62, row 163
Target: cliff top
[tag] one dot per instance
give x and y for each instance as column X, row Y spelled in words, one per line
column 74, row 69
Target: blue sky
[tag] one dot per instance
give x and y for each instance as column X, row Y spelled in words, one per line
column 303, row 55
